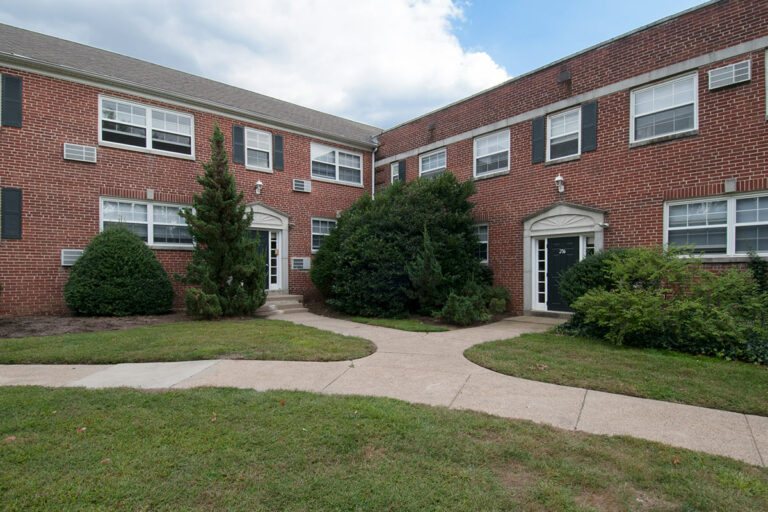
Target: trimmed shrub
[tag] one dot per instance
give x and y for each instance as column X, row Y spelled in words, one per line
column 759, row 268
column 118, row 275
column 464, row 309
column 664, row 301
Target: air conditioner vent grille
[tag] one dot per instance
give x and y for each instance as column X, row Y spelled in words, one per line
column 730, row 74
column 70, row 256
column 301, row 263
column 79, row 153
column 302, row 186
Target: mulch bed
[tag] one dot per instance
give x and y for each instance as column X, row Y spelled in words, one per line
column 24, row 326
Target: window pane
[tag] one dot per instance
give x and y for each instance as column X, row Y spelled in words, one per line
column 322, row 154
column 492, row 163
column 751, row 238
column 707, row 240
column 433, row 162
column 138, row 229
column 166, row 141
column 348, row 160
column 665, row 122
column 257, row 158
column 323, row 170
column 171, row 234
column 564, row 146
column 351, row 175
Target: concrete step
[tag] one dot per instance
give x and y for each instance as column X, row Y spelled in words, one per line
column 283, row 296
column 536, row 319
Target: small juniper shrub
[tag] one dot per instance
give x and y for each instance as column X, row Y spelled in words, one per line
column 118, row 275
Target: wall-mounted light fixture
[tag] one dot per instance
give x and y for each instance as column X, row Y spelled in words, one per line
column 559, row 183
column 258, row 187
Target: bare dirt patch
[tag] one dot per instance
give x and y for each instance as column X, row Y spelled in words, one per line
column 27, row 326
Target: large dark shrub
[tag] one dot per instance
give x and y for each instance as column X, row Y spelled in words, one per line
column 362, row 267
column 118, row 275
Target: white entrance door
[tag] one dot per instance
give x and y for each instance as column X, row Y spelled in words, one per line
column 269, row 247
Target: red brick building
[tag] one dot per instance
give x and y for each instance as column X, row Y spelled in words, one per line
column 90, row 138
column 655, row 136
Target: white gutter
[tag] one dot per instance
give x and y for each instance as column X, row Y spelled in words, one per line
column 373, row 167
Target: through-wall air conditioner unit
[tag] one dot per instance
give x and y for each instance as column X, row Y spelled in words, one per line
column 302, row 186
column 79, row 153
column 730, row 74
column 70, row 256
column 301, row 263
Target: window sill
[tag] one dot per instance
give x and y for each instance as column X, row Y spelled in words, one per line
column 137, row 149
column 563, row 160
column 336, row 182
column 664, row 138
column 491, row 175
column 160, row 247
column 259, row 169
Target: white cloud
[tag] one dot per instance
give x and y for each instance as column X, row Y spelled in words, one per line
column 374, row 61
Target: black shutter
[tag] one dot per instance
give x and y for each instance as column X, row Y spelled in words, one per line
column 589, row 127
column 11, row 213
column 538, row 140
column 401, row 170
column 238, row 144
column 11, row 100
column 278, row 155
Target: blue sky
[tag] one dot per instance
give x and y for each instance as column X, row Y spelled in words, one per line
column 378, row 62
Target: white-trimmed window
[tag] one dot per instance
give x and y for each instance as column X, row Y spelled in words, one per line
column 155, row 223
column 728, row 226
column 492, row 153
column 130, row 124
column 667, row 108
column 329, row 163
column 394, row 170
column 321, row 228
column 564, row 134
column 481, row 231
column 432, row 164
column 258, row 149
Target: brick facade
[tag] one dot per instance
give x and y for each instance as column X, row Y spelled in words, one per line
column 61, row 197
column 630, row 182
column 622, row 188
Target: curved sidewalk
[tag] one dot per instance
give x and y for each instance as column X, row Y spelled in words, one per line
column 430, row 368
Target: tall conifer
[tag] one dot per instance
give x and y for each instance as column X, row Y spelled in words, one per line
column 227, row 269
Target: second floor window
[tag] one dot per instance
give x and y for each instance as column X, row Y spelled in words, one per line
column 146, row 127
column 667, row 108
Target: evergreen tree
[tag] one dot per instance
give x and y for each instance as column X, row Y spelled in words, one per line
column 426, row 275
column 227, row 267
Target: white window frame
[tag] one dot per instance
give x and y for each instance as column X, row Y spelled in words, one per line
column 255, row 133
column 487, row 242
column 550, row 118
column 394, row 169
column 315, row 146
column 312, row 231
column 148, row 127
column 730, row 224
column 150, row 220
column 427, row 155
column 476, row 155
column 634, row 92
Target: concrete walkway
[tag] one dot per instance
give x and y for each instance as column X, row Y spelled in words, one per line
column 430, row 369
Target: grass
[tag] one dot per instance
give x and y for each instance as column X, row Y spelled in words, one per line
column 403, row 324
column 226, row 449
column 594, row 364
column 184, row 341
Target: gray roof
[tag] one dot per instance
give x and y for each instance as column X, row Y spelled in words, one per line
column 31, row 49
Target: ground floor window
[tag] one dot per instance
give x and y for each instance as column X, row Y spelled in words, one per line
column 321, row 228
column 727, row 226
column 156, row 224
column 481, row 231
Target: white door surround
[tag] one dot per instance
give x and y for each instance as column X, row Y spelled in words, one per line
column 559, row 219
column 271, row 219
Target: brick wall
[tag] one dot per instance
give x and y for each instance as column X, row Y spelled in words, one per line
column 630, row 183
column 61, row 197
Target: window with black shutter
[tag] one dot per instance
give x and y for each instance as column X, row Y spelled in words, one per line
column 11, row 101
column 10, row 214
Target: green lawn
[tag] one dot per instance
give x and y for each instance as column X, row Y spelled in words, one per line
column 648, row 373
column 74, row 449
column 404, row 324
column 184, row 341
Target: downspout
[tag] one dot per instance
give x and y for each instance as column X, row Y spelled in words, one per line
column 375, row 140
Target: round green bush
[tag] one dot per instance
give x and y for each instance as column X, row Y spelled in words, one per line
column 588, row 274
column 118, row 275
